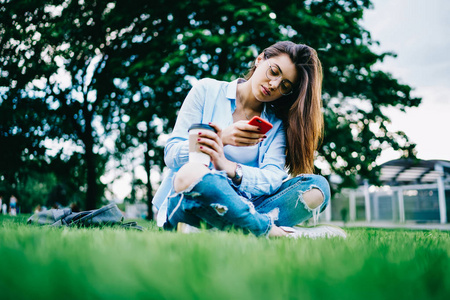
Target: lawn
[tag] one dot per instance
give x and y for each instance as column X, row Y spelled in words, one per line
column 112, row 263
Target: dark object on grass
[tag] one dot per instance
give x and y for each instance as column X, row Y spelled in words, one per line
column 109, row 215
column 344, row 213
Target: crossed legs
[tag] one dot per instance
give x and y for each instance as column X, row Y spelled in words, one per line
column 313, row 197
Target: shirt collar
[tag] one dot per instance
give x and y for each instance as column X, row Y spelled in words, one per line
column 232, row 89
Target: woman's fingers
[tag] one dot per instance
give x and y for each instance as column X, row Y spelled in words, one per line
column 247, row 141
column 249, row 136
column 210, row 135
column 207, row 142
column 211, row 144
column 236, row 141
column 242, row 134
column 244, row 126
column 216, row 127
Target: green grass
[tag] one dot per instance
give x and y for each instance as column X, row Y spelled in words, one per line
column 108, row 263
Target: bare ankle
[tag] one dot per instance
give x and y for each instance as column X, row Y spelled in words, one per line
column 276, row 231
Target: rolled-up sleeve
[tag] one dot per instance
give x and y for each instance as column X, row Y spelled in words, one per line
column 176, row 151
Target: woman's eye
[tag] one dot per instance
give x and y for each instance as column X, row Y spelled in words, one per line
column 285, row 86
column 274, row 72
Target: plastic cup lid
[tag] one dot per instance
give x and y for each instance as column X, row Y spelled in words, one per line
column 201, row 126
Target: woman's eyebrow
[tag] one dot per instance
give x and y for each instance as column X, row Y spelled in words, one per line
column 278, row 68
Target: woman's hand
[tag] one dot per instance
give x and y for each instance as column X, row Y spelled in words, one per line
column 241, row 134
column 211, row 144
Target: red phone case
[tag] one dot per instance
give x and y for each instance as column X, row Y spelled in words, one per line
column 262, row 124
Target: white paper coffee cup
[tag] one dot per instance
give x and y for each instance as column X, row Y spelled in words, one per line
column 195, row 155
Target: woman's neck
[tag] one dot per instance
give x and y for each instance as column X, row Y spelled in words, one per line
column 246, row 101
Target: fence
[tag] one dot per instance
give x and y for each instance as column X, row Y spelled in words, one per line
column 418, row 203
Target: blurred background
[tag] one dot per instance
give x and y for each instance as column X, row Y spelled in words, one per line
column 90, row 91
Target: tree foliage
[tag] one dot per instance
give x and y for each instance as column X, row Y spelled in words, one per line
column 91, row 71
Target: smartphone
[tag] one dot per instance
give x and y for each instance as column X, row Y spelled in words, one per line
column 262, row 124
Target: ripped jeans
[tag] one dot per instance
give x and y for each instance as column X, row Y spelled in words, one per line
column 214, row 200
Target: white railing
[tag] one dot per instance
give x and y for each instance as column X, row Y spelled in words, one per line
column 372, row 194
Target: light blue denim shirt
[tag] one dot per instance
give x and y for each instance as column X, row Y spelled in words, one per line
column 215, row 101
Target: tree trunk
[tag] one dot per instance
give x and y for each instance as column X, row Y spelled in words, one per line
column 92, row 188
column 147, row 167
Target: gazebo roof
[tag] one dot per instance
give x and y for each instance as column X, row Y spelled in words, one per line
column 413, row 171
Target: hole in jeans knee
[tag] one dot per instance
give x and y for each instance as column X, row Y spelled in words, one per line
column 219, row 208
column 313, row 198
column 273, row 214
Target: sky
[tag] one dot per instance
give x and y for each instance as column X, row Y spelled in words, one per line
column 418, row 31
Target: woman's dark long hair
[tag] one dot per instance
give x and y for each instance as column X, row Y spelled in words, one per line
column 301, row 111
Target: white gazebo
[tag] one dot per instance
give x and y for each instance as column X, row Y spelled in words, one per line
column 411, row 190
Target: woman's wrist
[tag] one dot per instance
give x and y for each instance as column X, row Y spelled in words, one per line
column 238, row 174
column 234, row 171
column 230, row 169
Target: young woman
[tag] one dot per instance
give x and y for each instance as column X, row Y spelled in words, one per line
column 245, row 185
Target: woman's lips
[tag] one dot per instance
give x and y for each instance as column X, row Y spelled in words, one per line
column 265, row 91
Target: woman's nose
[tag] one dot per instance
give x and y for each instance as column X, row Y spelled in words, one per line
column 274, row 83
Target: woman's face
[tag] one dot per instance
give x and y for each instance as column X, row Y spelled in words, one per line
column 270, row 74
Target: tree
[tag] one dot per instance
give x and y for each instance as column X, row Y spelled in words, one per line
column 58, row 46
column 24, row 121
column 120, row 69
column 218, row 38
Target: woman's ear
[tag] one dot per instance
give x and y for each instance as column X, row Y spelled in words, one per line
column 259, row 59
